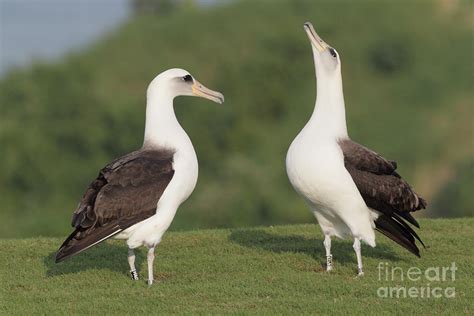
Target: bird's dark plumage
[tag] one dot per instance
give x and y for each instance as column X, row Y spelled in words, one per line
column 125, row 192
column 384, row 190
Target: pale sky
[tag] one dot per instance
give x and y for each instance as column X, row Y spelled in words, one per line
column 47, row 29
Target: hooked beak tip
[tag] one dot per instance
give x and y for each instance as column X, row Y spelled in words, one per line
column 220, row 99
column 201, row 91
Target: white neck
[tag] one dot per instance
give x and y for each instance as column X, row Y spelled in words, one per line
column 162, row 129
column 329, row 115
column 161, row 125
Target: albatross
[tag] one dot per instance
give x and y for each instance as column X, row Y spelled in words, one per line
column 350, row 189
column 136, row 196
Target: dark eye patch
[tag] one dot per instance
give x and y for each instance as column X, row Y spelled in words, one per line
column 333, row 52
column 188, row 78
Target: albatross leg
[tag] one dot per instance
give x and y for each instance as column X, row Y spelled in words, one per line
column 131, row 263
column 327, row 245
column 356, row 247
column 150, row 259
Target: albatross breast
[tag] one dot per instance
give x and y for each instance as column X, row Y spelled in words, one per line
column 315, row 167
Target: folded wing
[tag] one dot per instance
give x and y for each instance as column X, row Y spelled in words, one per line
column 125, row 192
column 384, row 190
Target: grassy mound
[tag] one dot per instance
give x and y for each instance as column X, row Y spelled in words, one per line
column 256, row 270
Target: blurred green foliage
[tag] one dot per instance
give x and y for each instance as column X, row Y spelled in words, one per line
column 456, row 194
column 408, row 77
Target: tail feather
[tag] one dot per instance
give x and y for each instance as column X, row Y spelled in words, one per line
column 82, row 239
column 408, row 229
column 409, row 218
column 75, row 243
column 398, row 233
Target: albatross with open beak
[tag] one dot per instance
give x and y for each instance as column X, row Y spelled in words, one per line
column 350, row 189
column 135, row 197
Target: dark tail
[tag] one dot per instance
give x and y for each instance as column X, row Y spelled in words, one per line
column 79, row 241
column 84, row 238
column 395, row 228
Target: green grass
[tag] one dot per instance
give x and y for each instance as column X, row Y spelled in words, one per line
column 250, row 270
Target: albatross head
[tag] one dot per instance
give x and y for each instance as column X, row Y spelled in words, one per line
column 326, row 58
column 178, row 82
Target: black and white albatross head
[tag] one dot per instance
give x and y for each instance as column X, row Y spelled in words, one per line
column 179, row 82
column 161, row 126
column 326, row 58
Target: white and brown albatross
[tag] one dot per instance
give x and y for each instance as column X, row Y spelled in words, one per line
column 350, row 189
column 136, row 196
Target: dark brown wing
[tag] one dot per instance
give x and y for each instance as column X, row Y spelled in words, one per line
column 384, row 190
column 385, row 193
column 125, row 192
column 362, row 158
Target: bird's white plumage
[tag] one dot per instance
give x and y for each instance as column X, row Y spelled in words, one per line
column 315, row 162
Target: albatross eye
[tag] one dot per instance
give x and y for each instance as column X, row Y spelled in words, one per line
column 333, row 52
column 188, row 78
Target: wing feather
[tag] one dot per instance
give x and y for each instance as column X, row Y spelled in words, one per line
column 362, row 158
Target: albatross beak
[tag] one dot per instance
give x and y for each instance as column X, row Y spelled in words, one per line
column 314, row 37
column 201, row 91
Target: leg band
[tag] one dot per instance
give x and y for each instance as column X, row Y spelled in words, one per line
column 134, row 274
